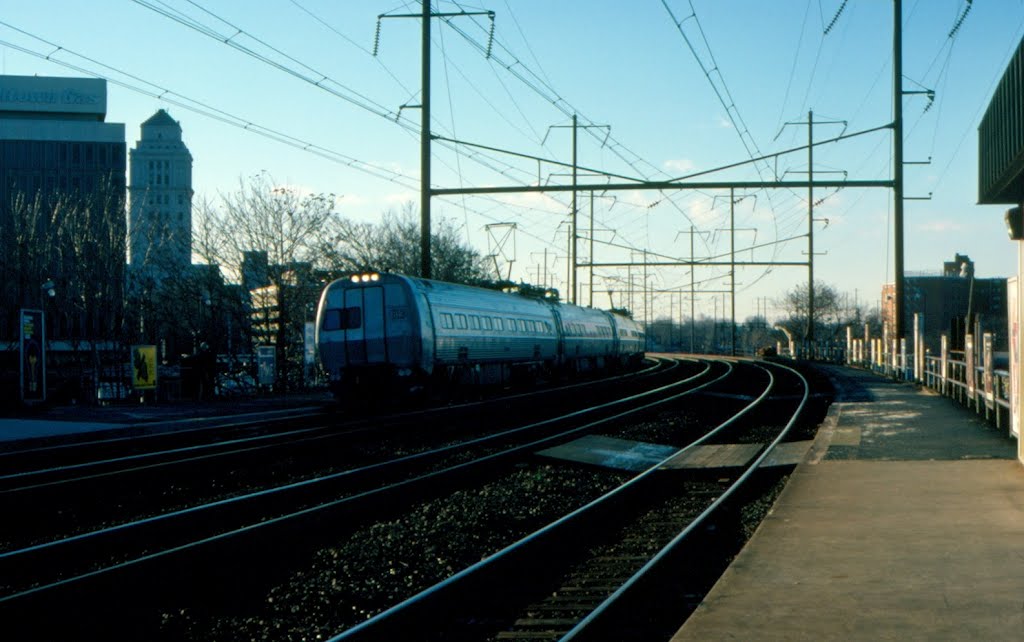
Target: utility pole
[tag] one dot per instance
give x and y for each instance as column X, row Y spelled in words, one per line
column 809, row 333
column 693, row 299
column 810, row 229
column 425, row 145
column 426, row 192
column 647, row 321
column 897, row 146
column 590, row 298
column 573, row 231
column 732, row 268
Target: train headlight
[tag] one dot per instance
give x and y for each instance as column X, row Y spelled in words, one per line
column 366, row 277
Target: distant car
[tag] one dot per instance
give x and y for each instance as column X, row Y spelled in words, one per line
column 107, row 391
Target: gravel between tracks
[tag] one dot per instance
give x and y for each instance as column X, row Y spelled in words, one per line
column 389, row 561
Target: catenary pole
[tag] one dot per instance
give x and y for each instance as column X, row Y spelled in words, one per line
column 425, row 146
column 897, row 161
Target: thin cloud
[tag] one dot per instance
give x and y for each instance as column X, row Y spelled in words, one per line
column 679, row 166
column 940, row 227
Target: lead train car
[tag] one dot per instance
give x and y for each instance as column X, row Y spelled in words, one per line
column 381, row 332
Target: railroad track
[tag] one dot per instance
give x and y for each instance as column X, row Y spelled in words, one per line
column 68, row 493
column 165, row 545
column 589, row 575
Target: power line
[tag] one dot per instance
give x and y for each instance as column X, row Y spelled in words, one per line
column 310, row 75
column 201, row 108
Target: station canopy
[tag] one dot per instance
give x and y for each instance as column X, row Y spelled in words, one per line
column 1001, row 139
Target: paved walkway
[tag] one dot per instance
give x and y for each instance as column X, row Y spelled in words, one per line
column 905, row 522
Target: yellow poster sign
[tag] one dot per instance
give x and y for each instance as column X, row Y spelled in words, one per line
column 144, row 367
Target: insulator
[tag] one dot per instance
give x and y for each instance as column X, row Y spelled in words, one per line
column 960, row 21
column 835, row 18
column 376, row 38
column 490, row 36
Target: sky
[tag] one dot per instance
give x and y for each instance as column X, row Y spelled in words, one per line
column 323, row 96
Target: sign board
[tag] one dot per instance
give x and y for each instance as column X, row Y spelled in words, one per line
column 1013, row 314
column 144, row 367
column 309, row 355
column 987, row 363
column 32, row 356
column 266, row 360
column 970, row 373
column 918, row 347
column 53, row 95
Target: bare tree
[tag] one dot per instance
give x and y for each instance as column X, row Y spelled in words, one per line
column 76, row 242
column 393, row 245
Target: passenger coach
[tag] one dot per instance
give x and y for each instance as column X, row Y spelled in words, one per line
column 391, row 331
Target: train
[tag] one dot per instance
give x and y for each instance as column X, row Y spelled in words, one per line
column 383, row 332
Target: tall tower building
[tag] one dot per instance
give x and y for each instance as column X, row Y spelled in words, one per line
column 160, row 195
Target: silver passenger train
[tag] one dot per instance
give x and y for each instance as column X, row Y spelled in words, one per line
column 387, row 331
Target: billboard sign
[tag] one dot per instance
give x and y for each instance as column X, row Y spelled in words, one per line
column 144, row 367
column 266, row 360
column 32, row 356
column 53, row 95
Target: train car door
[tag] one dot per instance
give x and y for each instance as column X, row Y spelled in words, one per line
column 398, row 325
column 373, row 318
column 355, row 344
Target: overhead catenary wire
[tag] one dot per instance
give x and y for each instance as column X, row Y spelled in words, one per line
column 145, row 87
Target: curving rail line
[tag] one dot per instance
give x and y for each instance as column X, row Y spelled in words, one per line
column 107, row 561
column 445, row 610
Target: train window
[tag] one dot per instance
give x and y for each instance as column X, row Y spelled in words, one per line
column 498, row 325
column 511, row 325
column 547, row 328
column 474, row 322
column 342, row 319
column 488, row 323
column 446, row 321
column 460, row 321
column 332, row 320
column 522, row 325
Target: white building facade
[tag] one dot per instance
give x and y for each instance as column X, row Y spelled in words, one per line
column 160, row 197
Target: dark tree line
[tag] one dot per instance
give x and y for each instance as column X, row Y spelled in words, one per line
column 258, row 239
column 64, row 254
column 269, row 251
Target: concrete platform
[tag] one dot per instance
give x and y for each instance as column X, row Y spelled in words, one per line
column 905, row 521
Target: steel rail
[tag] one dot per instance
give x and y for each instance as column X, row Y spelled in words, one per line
column 71, row 548
column 590, row 624
column 223, row 448
column 425, row 605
